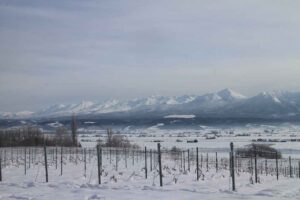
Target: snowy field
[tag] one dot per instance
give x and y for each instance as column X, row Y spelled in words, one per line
column 216, row 187
column 123, row 176
column 285, row 137
column 123, row 173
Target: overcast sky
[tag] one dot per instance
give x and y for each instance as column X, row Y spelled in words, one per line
column 67, row 51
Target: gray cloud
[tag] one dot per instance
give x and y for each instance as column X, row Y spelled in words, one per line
column 68, row 51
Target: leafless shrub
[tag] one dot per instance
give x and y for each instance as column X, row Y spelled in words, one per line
column 261, row 150
column 117, row 140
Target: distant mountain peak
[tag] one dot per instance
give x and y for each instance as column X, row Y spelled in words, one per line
column 229, row 94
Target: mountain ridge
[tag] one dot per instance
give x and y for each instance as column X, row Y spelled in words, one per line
column 224, row 103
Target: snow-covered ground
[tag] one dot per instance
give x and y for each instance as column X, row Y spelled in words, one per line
column 121, row 182
column 285, row 137
column 178, row 182
column 213, row 189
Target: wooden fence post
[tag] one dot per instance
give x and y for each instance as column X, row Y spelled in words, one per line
column 29, row 158
column 55, row 157
column 84, row 159
column 109, row 155
column 207, row 162
column 255, row 164
column 184, row 161
column 146, row 170
column 181, row 163
column 159, row 163
column 151, row 160
column 197, row 163
column 46, row 163
column 277, row 172
column 189, row 160
column 98, row 159
column 125, row 152
column 216, row 161
column 201, row 161
column 0, row 168
column 299, row 169
column 266, row 167
column 61, row 161
column 232, row 166
column 25, row 160
column 290, row 167
column 132, row 157
column 117, row 159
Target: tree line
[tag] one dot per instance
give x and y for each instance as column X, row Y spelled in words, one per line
column 33, row 136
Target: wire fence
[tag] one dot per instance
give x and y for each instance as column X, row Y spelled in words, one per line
column 102, row 165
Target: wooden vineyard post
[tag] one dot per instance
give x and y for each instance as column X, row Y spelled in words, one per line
column 46, row 163
column 159, row 163
column 216, row 161
column 0, row 168
column 17, row 157
column 277, row 172
column 11, row 154
column 109, row 155
column 29, row 158
column 146, row 170
column 189, row 160
column 84, row 159
column 125, row 154
column 76, row 157
column 290, row 166
column 266, row 167
column 232, row 166
column 255, row 164
column 133, row 157
column 117, row 159
column 25, row 160
column 183, row 161
column 299, row 169
column 197, row 163
column 61, row 161
column 151, row 160
column 100, row 161
column 201, row 161
column 55, row 157
column 99, row 169
column 207, row 162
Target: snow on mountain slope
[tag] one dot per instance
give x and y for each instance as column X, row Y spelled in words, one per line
column 225, row 103
column 212, row 101
column 61, row 109
column 152, row 103
column 230, row 95
column 265, row 104
column 110, row 106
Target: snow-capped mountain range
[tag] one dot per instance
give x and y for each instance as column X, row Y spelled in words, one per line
column 225, row 103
